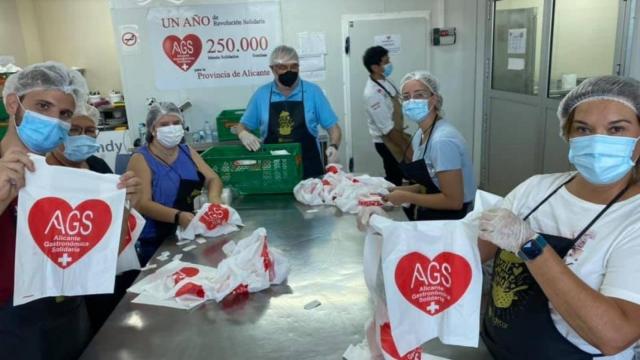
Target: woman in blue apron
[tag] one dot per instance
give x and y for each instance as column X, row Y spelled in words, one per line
column 172, row 176
column 572, row 291
column 289, row 110
column 441, row 173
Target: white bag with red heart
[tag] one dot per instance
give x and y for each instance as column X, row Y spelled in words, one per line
column 68, row 232
column 210, row 221
column 432, row 279
column 251, row 266
column 177, row 281
column 127, row 257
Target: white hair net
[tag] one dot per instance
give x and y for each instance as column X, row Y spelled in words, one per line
column 47, row 76
column 88, row 111
column 158, row 110
column 616, row 88
column 423, row 76
column 283, row 54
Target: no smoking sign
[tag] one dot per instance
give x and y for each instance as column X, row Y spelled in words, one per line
column 129, row 39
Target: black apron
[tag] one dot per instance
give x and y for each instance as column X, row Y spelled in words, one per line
column 517, row 322
column 187, row 190
column 418, row 173
column 287, row 124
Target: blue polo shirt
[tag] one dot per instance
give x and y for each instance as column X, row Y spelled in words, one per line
column 317, row 110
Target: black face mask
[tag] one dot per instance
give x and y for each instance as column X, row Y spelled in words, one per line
column 289, row 78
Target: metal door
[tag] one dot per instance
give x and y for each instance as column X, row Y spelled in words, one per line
column 408, row 52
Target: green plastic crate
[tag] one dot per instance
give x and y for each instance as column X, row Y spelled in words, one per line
column 4, row 116
column 226, row 120
column 257, row 172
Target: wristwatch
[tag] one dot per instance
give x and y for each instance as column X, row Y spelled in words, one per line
column 532, row 248
column 176, row 218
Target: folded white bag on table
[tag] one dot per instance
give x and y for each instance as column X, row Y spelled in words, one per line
column 210, row 221
column 250, row 266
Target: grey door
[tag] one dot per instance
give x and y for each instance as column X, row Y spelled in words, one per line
column 412, row 55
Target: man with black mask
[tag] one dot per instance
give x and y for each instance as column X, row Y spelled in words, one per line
column 290, row 109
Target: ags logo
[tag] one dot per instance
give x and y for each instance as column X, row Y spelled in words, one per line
column 65, row 234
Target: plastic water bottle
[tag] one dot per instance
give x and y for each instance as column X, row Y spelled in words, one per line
column 142, row 133
column 208, row 132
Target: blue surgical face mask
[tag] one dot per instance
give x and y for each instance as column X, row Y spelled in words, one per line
column 388, row 69
column 79, row 148
column 41, row 133
column 416, row 110
column 602, row 159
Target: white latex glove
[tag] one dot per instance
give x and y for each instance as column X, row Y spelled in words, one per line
column 250, row 141
column 332, row 155
column 504, row 229
column 365, row 214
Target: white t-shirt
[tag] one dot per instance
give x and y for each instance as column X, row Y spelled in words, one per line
column 447, row 150
column 379, row 108
column 606, row 258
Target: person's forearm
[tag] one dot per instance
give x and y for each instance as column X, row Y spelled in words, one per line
column 214, row 190
column 158, row 212
column 415, row 188
column 436, row 201
column 335, row 135
column 595, row 317
column 399, row 140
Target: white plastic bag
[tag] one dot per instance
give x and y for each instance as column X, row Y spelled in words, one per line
column 432, row 279
column 250, row 266
column 68, row 232
column 210, row 221
column 127, row 257
column 309, row 192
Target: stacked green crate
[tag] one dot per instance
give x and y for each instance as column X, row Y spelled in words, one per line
column 226, row 122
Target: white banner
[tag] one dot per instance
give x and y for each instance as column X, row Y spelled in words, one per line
column 213, row 45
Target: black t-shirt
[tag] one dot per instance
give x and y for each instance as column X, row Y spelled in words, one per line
column 98, row 165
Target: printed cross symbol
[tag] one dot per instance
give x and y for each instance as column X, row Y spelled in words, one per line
column 64, row 259
column 184, row 67
column 432, row 308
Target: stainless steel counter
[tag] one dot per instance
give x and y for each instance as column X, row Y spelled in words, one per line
column 325, row 252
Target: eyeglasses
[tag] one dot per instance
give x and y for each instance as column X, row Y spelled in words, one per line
column 418, row 95
column 286, row 67
column 89, row 131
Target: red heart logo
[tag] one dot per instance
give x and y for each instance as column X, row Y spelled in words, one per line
column 185, row 272
column 65, row 234
column 131, row 227
column 215, row 216
column 389, row 346
column 191, row 289
column 182, row 52
column 433, row 286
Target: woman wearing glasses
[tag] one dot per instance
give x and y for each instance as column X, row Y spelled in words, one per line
column 79, row 147
column 441, row 172
column 289, row 110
